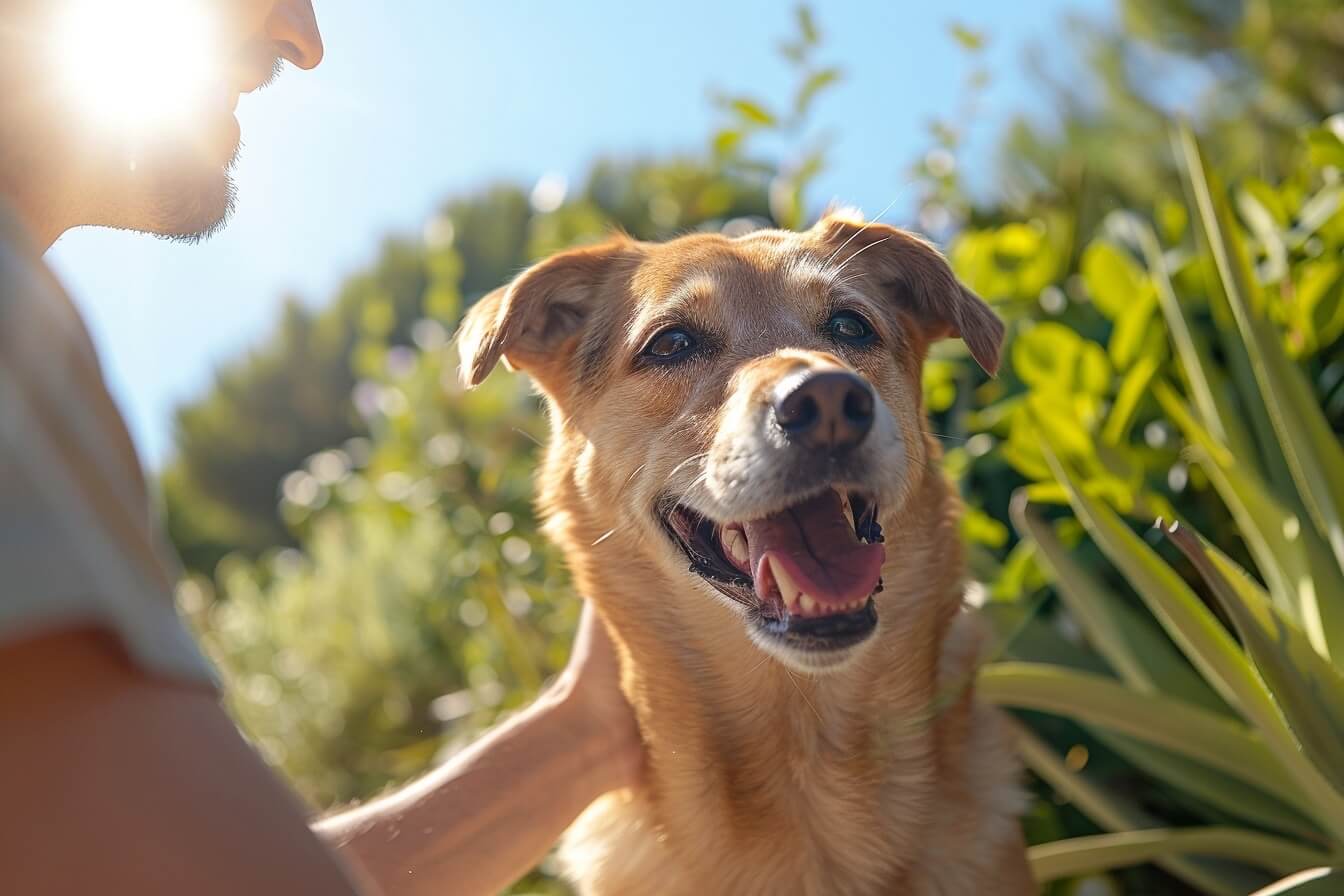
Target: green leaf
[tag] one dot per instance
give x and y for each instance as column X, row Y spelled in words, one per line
column 1315, row 214
column 815, row 84
column 981, row 528
column 1172, row 220
column 1114, row 812
column 752, row 112
column 1133, row 645
column 807, row 24
column 1020, row 574
column 1045, row 493
column 1132, row 390
column 1325, row 145
column 1317, row 308
column 1217, row 412
column 1212, row 788
column 1012, row 262
column 1314, row 454
column 1307, row 689
column 1288, row 554
column 1020, row 631
column 1266, row 230
column 1313, row 882
column 1204, row 642
column 1052, row 357
column 968, row 38
column 1186, row 619
column 1130, row 334
column 1269, row 200
column 1100, row 852
column 1183, row 728
column 727, row 141
column 1113, row 281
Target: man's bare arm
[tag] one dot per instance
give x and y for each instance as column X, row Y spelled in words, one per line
column 486, row 817
column 114, row 781
column 111, row 775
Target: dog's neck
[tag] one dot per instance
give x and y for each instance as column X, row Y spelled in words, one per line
column 782, row 744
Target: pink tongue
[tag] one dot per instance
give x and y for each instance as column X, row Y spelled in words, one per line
column 817, row 545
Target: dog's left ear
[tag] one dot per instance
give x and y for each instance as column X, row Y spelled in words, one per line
column 535, row 321
column 920, row 279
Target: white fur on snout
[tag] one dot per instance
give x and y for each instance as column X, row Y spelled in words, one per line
column 751, row 473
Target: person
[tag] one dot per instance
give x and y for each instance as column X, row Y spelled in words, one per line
column 119, row 769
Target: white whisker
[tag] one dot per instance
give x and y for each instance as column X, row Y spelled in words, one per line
column 859, row 231
column 527, row 435
column 699, row 478
column 690, row 460
column 801, row 694
column 858, row 253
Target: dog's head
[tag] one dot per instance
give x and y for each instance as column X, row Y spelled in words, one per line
column 750, row 408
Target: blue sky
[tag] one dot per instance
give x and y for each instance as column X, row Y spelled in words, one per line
column 420, row 99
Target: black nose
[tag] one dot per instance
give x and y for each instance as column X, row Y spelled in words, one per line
column 827, row 410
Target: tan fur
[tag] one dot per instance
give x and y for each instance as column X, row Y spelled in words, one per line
column 880, row 776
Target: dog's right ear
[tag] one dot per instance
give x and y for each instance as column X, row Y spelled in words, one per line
column 538, row 318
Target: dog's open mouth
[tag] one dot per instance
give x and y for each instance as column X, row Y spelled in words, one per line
column 806, row 574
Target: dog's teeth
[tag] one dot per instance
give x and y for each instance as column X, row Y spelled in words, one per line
column 847, row 508
column 788, row 588
column 735, row 546
column 808, row 605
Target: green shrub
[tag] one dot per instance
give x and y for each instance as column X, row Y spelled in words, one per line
column 1227, row 689
column 423, row 602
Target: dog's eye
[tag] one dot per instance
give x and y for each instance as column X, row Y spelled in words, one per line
column 669, row 344
column 850, row 328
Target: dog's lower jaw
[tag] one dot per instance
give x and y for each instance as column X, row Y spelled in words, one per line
column 762, row 780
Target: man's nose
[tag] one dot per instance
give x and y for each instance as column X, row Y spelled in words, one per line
column 827, row 410
column 293, row 25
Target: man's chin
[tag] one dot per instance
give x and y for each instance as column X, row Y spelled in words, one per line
column 187, row 203
column 194, row 218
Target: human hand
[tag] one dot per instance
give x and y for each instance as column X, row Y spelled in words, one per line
column 591, row 686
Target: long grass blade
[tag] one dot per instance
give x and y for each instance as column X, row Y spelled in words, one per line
column 1216, row 741
column 1312, row 882
column 1307, row 689
column 1133, row 645
column 1101, row 852
column 1315, row 457
column 1289, row 554
column 1114, row 812
column 1210, row 788
column 1204, row 641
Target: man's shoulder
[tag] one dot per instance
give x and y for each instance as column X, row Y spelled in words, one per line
column 78, row 543
column 35, row 313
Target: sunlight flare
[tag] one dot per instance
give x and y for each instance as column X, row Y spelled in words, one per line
column 138, row 66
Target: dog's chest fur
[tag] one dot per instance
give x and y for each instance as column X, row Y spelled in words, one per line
column 883, row 778
column 808, row 812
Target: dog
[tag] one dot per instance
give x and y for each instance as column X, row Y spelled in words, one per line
column 742, row 480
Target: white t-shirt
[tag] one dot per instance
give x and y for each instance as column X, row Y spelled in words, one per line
column 78, row 543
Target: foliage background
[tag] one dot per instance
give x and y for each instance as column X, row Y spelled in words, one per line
column 363, row 558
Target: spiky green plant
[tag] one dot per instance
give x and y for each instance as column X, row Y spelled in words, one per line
column 1230, row 687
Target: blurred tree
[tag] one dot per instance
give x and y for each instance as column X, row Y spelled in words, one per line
column 1249, row 74
column 404, row 590
column 291, row 396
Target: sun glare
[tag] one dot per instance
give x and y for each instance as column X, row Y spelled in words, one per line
column 137, row 66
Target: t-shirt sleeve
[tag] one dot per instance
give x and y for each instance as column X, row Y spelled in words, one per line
column 78, row 542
